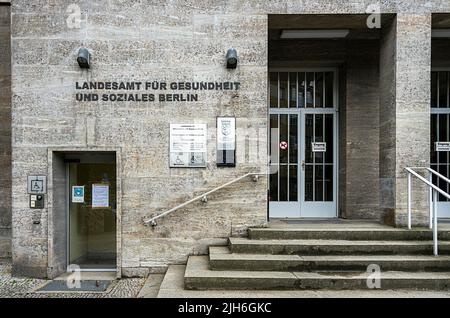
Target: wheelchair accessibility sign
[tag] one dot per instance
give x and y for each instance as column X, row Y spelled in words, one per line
column 77, row 194
column 37, row 184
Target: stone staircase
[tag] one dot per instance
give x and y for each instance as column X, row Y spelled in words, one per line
column 323, row 257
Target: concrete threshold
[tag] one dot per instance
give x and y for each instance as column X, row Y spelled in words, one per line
column 90, row 276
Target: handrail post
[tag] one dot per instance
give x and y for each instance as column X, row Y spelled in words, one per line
column 430, row 197
column 409, row 200
column 436, row 191
column 435, row 229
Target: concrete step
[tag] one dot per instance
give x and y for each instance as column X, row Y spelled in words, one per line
column 335, row 247
column 198, row 276
column 384, row 233
column 267, row 262
column 172, row 286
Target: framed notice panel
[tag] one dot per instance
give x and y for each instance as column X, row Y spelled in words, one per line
column 226, row 141
column 188, row 145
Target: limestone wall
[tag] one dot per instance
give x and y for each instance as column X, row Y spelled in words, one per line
column 5, row 132
column 179, row 40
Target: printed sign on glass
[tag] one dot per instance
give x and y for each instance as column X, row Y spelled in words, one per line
column 442, row 146
column 78, row 194
column 100, row 195
column 319, row 146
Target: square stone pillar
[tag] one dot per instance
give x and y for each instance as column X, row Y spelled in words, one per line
column 405, row 66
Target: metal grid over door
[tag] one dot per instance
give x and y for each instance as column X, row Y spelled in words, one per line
column 303, row 143
column 440, row 134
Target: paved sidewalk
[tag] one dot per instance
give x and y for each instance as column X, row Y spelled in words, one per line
column 13, row 287
column 172, row 286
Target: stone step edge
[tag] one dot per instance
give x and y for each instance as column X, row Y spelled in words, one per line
column 389, row 233
column 327, row 242
column 204, row 271
column 199, row 276
column 224, row 253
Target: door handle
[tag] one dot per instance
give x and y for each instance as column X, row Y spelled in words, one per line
column 303, row 165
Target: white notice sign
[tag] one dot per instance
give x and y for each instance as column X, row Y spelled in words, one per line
column 100, row 195
column 188, row 145
column 226, row 135
column 442, row 146
column 319, row 146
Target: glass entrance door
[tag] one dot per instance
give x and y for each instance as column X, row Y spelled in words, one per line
column 440, row 132
column 302, row 145
column 92, row 215
column 318, row 173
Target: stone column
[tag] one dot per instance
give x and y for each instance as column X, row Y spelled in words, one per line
column 405, row 64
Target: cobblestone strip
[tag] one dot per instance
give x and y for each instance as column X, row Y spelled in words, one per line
column 13, row 287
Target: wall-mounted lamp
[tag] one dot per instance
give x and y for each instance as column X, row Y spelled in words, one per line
column 232, row 58
column 84, row 58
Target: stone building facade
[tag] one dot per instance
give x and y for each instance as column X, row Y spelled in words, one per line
column 382, row 100
column 5, row 131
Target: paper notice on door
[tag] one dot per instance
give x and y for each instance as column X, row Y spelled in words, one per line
column 100, row 195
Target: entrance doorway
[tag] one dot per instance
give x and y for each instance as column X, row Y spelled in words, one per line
column 92, row 207
column 440, row 132
column 303, row 143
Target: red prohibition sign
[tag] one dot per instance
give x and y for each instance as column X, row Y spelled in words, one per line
column 283, row 145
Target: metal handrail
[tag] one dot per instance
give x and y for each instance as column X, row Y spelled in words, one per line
column 439, row 175
column 203, row 197
column 433, row 190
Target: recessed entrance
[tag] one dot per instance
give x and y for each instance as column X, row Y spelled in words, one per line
column 92, row 214
column 84, row 211
column 303, row 143
column 440, row 133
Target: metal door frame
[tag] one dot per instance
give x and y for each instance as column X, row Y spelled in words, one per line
column 301, row 137
column 441, row 206
column 319, row 209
